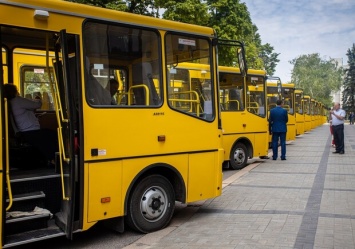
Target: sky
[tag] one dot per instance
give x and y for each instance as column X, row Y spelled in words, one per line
column 301, row 27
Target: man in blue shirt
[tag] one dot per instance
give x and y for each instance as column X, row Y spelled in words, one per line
column 278, row 120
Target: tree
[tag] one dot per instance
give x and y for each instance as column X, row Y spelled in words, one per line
column 349, row 82
column 317, row 77
column 142, row 7
column 230, row 18
column 188, row 11
column 99, row 3
column 269, row 58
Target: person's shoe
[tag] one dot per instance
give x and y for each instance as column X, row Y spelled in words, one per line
column 335, row 152
column 341, row 152
column 273, row 158
column 283, row 158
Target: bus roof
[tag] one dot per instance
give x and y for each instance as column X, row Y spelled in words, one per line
column 237, row 70
column 87, row 11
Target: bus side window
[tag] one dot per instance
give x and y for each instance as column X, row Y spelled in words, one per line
column 96, row 94
column 235, row 100
column 144, row 84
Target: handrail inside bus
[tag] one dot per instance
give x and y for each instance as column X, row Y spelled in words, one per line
column 9, row 190
column 234, row 101
column 60, row 119
column 120, row 97
column 130, row 93
column 196, row 101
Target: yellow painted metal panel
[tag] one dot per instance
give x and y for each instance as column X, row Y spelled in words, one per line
column 203, row 182
column 2, row 167
column 261, row 144
column 133, row 167
column 140, row 129
column 105, row 181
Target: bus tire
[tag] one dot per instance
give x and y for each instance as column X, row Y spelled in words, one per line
column 239, row 156
column 151, row 204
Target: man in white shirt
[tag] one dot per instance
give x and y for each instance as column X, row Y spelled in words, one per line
column 338, row 116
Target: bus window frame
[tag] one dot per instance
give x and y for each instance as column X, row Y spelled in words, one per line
column 211, row 70
column 240, row 87
column 23, row 81
column 249, row 82
column 158, row 60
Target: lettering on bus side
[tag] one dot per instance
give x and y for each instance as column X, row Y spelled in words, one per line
column 158, row 113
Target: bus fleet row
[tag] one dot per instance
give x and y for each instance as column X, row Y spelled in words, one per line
column 177, row 118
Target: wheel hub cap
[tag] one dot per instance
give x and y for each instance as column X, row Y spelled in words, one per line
column 154, row 204
column 239, row 156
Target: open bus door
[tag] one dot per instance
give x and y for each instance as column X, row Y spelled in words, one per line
column 238, row 48
column 65, row 68
column 2, row 152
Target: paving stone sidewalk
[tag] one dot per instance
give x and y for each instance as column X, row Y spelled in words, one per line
column 307, row 201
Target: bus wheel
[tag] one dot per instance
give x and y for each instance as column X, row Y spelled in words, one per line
column 238, row 156
column 151, row 204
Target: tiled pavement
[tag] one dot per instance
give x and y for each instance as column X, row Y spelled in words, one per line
column 307, row 201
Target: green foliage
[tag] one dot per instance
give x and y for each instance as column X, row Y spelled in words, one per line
column 349, row 82
column 142, row 7
column 230, row 18
column 99, row 3
column 187, row 11
column 269, row 58
column 317, row 77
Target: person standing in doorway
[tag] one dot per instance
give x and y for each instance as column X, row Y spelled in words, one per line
column 278, row 120
column 338, row 116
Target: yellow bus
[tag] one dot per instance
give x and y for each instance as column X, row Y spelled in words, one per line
column 318, row 113
column 307, row 113
column 245, row 127
column 321, row 114
column 313, row 111
column 128, row 161
column 244, row 115
column 325, row 114
column 288, row 97
column 299, row 110
column 273, row 93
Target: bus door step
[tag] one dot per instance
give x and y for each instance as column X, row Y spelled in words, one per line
column 21, row 224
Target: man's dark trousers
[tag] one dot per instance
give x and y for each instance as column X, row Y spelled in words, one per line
column 275, row 142
column 338, row 133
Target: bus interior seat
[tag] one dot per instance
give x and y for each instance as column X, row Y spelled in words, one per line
column 96, row 93
column 233, row 105
column 22, row 154
column 142, row 74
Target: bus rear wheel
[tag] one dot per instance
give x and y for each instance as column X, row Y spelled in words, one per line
column 151, row 204
column 239, row 156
